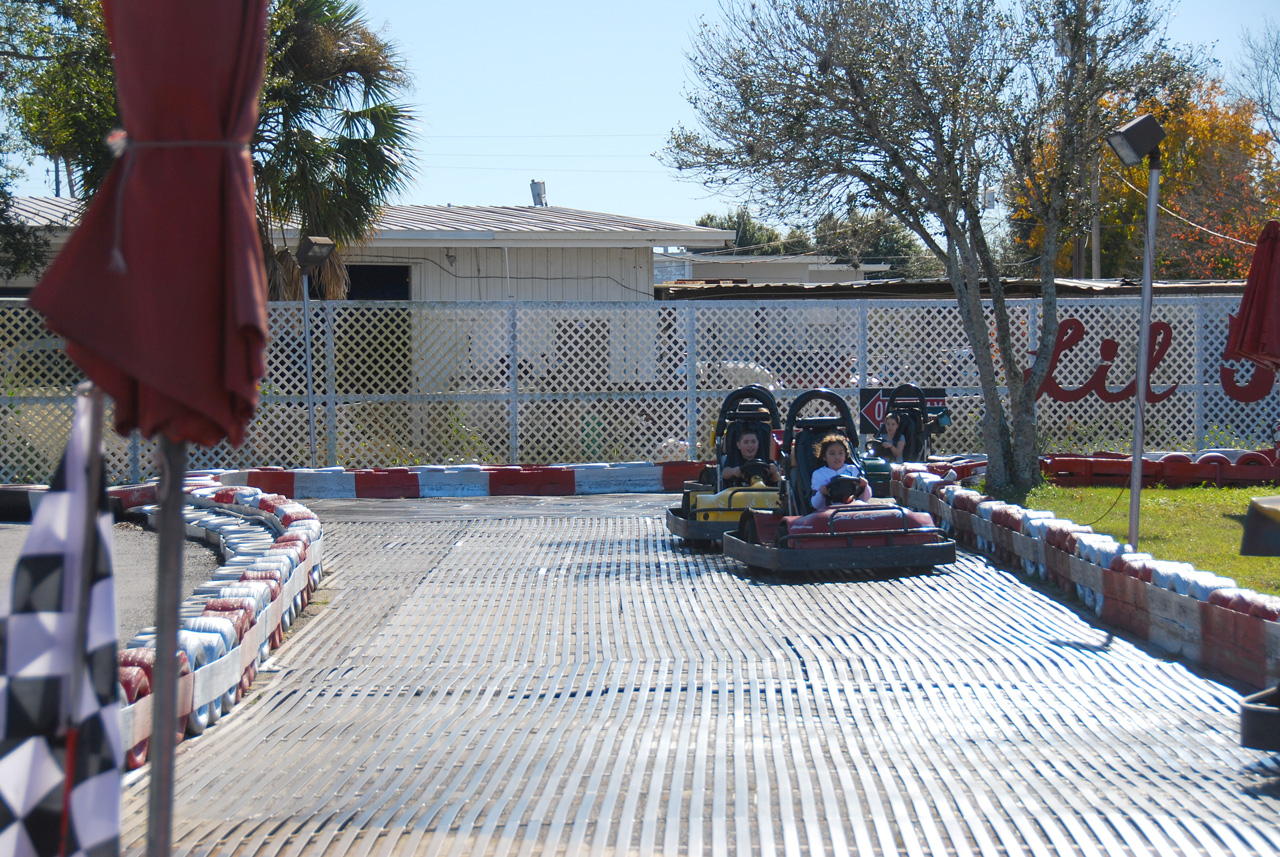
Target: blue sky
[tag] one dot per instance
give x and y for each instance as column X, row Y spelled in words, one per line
column 580, row 95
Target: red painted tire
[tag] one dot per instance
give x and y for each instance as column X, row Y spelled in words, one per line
column 135, row 685
column 1176, row 458
column 1253, row 459
column 272, row 583
column 241, row 618
column 1212, row 458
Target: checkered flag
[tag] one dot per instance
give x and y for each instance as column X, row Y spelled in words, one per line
column 51, row 722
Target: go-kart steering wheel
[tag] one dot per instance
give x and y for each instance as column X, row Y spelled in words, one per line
column 756, row 468
column 842, row 489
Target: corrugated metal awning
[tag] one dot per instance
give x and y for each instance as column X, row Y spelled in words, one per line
column 461, row 225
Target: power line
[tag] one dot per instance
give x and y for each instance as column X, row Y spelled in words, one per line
column 1177, row 216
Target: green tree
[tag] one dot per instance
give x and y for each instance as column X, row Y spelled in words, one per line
column 58, row 85
column 23, row 248
column 751, row 237
column 916, row 108
column 333, row 142
column 874, row 237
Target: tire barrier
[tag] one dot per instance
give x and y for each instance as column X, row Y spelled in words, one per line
column 145, row 659
column 1197, row 614
column 271, row 549
column 1174, row 470
column 135, row 685
column 463, row 480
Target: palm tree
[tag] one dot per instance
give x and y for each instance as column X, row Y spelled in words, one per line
column 332, row 143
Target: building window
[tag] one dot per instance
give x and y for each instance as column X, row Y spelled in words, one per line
column 378, row 283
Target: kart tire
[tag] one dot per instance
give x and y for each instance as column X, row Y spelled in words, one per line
column 134, row 685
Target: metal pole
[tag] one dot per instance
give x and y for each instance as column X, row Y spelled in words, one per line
column 1144, row 342
column 1095, row 226
column 306, row 335
column 88, row 461
column 691, row 377
column 92, row 464
column 164, row 693
column 513, row 383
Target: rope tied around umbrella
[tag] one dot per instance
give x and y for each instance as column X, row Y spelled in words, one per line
column 122, row 147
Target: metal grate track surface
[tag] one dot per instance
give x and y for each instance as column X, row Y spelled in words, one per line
column 582, row 685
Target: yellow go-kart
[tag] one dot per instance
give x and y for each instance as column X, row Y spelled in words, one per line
column 713, row 505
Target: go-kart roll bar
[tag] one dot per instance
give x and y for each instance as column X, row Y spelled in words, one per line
column 751, row 391
column 798, row 404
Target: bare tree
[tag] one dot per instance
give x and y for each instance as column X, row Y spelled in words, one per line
column 915, row 108
column 1258, row 76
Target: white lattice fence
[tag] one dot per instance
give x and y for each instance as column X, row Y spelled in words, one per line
column 399, row 383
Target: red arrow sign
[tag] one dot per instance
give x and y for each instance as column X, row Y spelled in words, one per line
column 878, row 405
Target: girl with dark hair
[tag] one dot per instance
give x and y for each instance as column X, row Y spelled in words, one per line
column 892, row 443
column 833, row 450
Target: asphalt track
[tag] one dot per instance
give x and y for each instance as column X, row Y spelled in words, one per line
column 559, row 675
column 135, row 557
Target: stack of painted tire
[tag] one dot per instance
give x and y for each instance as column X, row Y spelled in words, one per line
column 271, row 549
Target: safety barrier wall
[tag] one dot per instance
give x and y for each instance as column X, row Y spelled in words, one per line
column 409, row 383
column 1198, row 615
column 468, row 480
column 273, row 550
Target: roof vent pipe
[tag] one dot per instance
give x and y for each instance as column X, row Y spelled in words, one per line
column 539, row 191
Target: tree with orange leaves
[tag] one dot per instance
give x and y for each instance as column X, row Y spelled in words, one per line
column 1218, row 187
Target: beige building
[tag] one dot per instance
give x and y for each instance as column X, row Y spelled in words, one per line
column 479, row 253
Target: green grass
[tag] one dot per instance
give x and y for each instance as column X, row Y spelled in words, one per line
column 1202, row 526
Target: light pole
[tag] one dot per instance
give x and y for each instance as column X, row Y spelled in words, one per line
column 1132, row 142
column 313, row 251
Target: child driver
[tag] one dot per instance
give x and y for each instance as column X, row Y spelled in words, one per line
column 748, row 447
column 834, row 452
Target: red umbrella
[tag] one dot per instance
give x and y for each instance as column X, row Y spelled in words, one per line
column 160, row 292
column 1254, row 332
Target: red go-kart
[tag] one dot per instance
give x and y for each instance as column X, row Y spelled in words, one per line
column 876, row 534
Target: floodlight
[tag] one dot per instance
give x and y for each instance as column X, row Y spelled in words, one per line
column 313, row 250
column 1136, row 139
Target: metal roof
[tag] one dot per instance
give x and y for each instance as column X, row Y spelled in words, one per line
column 47, row 210
column 516, row 225
column 456, row 225
column 931, row 288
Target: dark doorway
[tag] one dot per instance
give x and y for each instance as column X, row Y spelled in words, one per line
column 378, row 283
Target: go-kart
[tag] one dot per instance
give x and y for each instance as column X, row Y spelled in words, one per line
column 875, row 534
column 712, row 506
column 919, row 424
